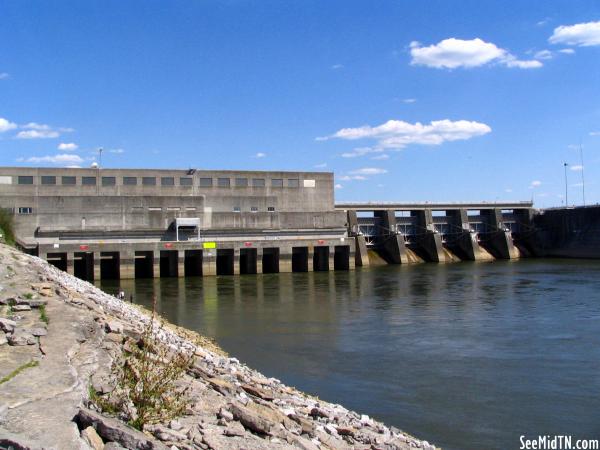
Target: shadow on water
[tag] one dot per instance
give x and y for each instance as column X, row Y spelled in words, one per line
column 464, row 355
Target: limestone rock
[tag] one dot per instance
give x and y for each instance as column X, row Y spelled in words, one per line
column 112, row 326
column 113, row 446
column 37, row 302
column 251, row 419
column 7, row 325
column 20, row 337
column 39, row 331
column 258, row 392
column 3, row 339
column 90, row 436
column 222, row 386
column 21, row 308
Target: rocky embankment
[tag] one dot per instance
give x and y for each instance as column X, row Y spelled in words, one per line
column 58, row 337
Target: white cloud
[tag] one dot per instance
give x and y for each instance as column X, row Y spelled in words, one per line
column 64, row 158
column 37, row 134
column 508, row 190
column 338, row 186
column 594, row 133
column 260, row 155
column 320, row 166
column 67, row 146
column 4, row 75
column 381, row 157
column 398, row 134
column 367, row 171
column 543, row 54
column 6, row 125
column 535, row 183
column 361, row 151
column 409, row 100
column 353, row 177
column 453, row 53
column 337, row 66
column 577, row 168
column 568, row 51
column 116, row 150
column 544, row 21
column 580, row 34
column 35, row 130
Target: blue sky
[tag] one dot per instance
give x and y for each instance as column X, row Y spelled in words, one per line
column 414, row 101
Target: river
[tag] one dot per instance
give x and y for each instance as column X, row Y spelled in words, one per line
column 466, row 355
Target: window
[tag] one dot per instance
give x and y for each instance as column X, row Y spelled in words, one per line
column 277, row 182
column 154, row 208
column 271, row 209
column 88, row 181
column 293, row 182
column 129, row 181
column 206, row 182
column 149, row 181
column 241, row 182
column 173, row 208
column 69, row 181
column 167, row 181
column 25, row 210
column 109, row 181
column 190, row 208
column 186, row 181
column 254, row 209
column 48, row 180
column 223, row 182
column 258, row 182
column 237, row 209
column 25, row 179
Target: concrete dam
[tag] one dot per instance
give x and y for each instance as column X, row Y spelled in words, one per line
column 142, row 223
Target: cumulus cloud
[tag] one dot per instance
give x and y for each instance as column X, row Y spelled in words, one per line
column 67, row 146
column 260, row 155
column 381, row 157
column 320, row 166
column 581, row 34
column 577, row 168
column 543, row 54
column 33, row 130
column 117, row 151
column 64, row 158
column 338, row 186
column 360, row 151
column 397, row 134
column 567, row 51
column 368, row 171
column 453, row 53
column 6, row 125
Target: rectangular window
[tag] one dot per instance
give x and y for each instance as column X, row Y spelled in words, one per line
column 48, row 180
column 254, row 209
column 25, row 179
column 258, row 182
column 237, row 209
column 173, row 208
column 223, row 182
column 271, row 209
column 167, row 181
column 277, row 182
column 88, row 181
column 69, row 181
column 206, row 182
column 241, row 182
column 154, row 208
column 149, row 181
column 190, row 208
column 25, row 210
column 293, row 182
column 186, row 181
column 129, row 181
column 109, row 181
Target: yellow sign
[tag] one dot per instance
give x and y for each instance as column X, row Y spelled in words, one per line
column 209, row 245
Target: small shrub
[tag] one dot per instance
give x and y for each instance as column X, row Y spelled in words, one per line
column 43, row 316
column 7, row 227
column 28, row 295
column 145, row 381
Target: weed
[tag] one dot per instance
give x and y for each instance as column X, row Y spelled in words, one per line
column 43, row 316
column 28, row 295
column 18, row 370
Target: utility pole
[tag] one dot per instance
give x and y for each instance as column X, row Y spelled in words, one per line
column 566, row 187
column 582, row 177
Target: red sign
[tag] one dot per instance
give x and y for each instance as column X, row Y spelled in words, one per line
column 248, row 244
column 84, row 247
column 321, row 241
column 168, row 245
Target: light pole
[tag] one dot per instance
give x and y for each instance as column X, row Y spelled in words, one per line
column 566, row 188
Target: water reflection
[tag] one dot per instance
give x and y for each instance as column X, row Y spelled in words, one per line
column 464, row 355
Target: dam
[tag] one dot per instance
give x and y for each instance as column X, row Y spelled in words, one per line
column 101, row 223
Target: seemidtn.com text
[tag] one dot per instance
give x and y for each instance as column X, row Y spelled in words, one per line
column 558, row 442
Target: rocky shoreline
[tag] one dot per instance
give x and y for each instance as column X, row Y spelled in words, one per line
column 58, row 337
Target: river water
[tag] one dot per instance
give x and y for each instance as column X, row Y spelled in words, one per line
column 466, row 355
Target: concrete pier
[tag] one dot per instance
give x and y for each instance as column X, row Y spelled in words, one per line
column 428, row 239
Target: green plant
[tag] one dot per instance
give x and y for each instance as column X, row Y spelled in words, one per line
column 146, row 380
column 18, row 370
column 7, row 227
column 28, row 295
column 43, row 316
